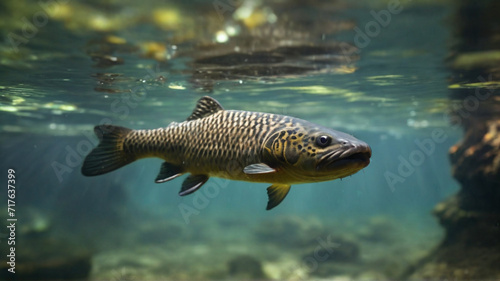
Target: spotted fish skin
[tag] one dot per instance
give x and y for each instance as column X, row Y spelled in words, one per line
column 233, row 144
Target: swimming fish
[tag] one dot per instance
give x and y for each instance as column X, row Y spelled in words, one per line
column 233, row 144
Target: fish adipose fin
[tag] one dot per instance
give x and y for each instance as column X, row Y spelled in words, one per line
column 206, row 106
column 168, row 172
column 276, row 193
column 108, row 155
column 259, row 168
column 192, row 183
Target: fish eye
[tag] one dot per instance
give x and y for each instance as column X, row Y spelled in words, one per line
column 323, row 141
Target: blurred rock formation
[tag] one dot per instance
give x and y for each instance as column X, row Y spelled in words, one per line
column 471, row 218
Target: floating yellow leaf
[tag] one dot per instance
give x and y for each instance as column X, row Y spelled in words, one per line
column 115, row 39
column 167, row 18
column 487, row 84
column 8, row 108
column 477, row 59
column 176, row 87
column 155, row 50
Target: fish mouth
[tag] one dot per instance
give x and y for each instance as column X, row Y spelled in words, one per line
column 357, row 156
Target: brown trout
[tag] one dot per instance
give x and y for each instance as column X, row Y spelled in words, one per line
column 233, row 144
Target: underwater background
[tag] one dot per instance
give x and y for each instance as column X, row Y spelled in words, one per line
column 416, row 80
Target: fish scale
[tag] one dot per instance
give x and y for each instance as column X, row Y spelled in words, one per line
column 233, row 144
column 226, row 135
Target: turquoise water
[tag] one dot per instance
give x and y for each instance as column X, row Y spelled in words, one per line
column 391, row 92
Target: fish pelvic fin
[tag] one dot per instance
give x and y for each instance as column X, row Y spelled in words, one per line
column 192, row 183
column 276, row 194
column 109, row 154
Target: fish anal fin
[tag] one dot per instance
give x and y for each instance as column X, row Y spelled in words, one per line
column 192, row 183
column 204, row 107
column 276, row 194
column 258, row 168
column 168, row 172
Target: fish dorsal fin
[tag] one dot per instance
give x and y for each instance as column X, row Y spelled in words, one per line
column 276, row 194
column 204, row 107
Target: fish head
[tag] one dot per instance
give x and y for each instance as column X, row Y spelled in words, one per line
column 317, row 154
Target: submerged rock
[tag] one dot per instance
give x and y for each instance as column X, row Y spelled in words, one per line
column 63, row 268
column 378, row 229
column 337, row 249
column 476, row 165
column 470, row 249
column 48, row 257
column 160, row 233
column 290, row 231
column 245, row 267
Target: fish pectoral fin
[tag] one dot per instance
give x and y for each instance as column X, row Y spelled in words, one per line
column 259, row 168
column 206, row 106
column 192, row 183
column 276, row 193
column 168, row 172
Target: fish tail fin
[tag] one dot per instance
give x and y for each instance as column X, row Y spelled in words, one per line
column 109, row 154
